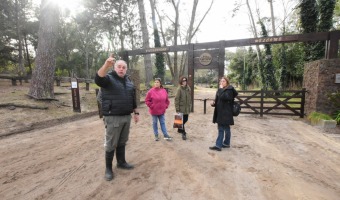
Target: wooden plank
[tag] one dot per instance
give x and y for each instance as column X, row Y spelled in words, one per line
column 191, row 73
column 221, row 59
column 207, row 45
column 334, row 36
column 213, row 53
column 199, row 66
column 333, row 48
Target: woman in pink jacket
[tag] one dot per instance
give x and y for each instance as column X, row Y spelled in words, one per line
column 158, row 101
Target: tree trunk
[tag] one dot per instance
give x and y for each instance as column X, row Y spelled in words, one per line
column 258, row 51
column 193, row 30
column 167, row 55
column 176, row 25
column 22, row 71
column 159, row 56
column 145, row 33
column 43, row 75
column 272, row 16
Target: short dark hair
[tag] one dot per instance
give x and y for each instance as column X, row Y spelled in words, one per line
column 160, row 81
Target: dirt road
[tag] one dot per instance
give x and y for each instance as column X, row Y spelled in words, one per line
column 271, row 158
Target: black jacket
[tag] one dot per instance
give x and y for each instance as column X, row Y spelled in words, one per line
column 223, row 106
column 118, row 94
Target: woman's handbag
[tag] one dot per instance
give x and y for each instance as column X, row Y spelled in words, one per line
column 178, row 122
column 236, row 109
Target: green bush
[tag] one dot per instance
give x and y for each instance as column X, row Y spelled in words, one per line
column 337, row 117
column 315, row 117
column 61, row 72
column 334, row 98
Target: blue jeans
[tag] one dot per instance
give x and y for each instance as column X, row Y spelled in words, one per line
column 223, row 129
column 161, row 119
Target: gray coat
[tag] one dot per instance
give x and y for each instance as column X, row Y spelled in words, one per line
column 183, row 100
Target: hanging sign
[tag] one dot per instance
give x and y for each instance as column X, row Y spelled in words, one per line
column 205, row 59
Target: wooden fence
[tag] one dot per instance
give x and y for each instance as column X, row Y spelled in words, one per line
column 272, row 102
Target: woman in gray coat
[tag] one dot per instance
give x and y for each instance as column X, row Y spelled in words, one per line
column 223, row 114
column 183, row 102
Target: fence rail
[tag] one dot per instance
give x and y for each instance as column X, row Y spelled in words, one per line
column 272, row 102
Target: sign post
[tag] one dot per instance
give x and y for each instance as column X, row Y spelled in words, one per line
column 75, row 95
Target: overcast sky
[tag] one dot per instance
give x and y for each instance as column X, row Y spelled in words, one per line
column 220, row 25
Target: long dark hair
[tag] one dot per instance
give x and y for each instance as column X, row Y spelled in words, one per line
column 226, row 79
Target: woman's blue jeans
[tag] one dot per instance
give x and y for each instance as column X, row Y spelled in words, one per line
column 223, row 130
column 161, row 119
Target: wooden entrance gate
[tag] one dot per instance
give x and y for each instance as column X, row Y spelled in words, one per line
column 331, row 40
column 273, row 102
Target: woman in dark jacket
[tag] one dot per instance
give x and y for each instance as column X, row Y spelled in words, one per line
column 183, row 103
column 223, row 114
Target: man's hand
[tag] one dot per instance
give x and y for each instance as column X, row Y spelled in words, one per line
column 107, row 65
column 110, row 61
column 136, row 118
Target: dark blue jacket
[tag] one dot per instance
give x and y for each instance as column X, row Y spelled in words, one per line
column 118, row 94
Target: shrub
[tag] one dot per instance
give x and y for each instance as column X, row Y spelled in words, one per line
column 337, row 117
column 334, row 98
column 315, row 117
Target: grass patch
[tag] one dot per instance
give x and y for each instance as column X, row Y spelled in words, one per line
column 315, row 117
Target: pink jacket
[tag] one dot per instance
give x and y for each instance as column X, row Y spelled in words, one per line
column 157, row 100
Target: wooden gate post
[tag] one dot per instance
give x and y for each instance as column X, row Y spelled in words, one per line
column 75, row 95
column 191, row 73
column 261, row 104
column 221, row 58
column 333, row 45
column 302, row 111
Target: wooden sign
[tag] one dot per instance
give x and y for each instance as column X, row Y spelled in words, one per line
column 157, row 50
column 337, row 78
column 205, row 58
column 75, row 95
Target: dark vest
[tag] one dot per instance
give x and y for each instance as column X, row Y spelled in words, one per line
column 118, row 96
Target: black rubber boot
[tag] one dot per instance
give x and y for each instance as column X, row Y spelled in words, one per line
column 108, row 161
column 184, row 135
column 120, row 155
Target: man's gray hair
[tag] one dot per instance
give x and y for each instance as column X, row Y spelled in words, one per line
column 119, row 61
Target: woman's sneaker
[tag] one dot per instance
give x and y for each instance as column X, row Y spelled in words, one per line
column 156, row 138
column 167, row 137
column 215, row 148
column 225, row 146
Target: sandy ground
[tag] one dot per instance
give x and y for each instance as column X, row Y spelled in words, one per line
column 270, row 158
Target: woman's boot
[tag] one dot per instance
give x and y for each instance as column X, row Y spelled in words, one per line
column 184, row 135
